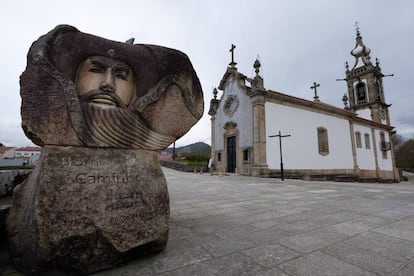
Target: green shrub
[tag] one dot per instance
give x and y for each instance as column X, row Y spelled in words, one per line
column 196, row 163
column 198, row 157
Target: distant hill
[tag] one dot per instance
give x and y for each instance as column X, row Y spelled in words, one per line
column 196, row 147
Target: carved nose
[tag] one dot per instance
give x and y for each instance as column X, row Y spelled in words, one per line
column 106, row 86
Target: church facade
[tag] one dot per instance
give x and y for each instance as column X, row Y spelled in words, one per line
column 260, row 132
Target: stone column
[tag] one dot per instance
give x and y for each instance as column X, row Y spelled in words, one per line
column 259, row 167
column 357, row 171
column 214, row 103
column 374, row 146
column 213, row 143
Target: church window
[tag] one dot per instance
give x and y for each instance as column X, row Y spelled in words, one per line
column 219, row 156
column 361, row 93
column 246, row 155
column 323, row 141
column 367, row 143
column 358, row 139
column 383, row 114
column 384, row 145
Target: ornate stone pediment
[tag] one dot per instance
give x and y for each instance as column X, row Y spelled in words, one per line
column 231, row 128
column 230, row 125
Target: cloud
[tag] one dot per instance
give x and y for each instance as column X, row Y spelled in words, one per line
column 298, row 42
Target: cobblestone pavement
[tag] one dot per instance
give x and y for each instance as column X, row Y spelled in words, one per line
column 235, row 225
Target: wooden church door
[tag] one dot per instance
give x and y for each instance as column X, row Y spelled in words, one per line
column 231, row 154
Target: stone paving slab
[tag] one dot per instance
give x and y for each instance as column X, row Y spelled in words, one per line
column 403, row 229
column 310, row 241
column 321, row 264
column 383, row 245
column 234, row 225
column 363, row 258
column 407, row 270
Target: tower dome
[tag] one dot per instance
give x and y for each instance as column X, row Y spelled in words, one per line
column 361, row 52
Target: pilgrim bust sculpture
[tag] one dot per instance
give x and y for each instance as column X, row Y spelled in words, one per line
column 101, row 110
column 158, row 96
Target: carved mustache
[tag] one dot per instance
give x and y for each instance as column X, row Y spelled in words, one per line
column 102, row 97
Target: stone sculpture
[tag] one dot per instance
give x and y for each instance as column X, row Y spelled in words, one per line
column 101, row 110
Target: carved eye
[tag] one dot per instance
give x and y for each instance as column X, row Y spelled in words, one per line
column 96, row 69
column 121, row 75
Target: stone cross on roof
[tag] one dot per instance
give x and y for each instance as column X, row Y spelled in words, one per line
column 315, row 85
column 232, row 63
column 356, row 26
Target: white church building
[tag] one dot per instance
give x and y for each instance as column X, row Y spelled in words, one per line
column 251, row 127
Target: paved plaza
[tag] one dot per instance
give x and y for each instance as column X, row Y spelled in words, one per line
column 235, row 225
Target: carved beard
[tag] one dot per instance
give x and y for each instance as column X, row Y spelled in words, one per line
column 102, row 97
column 118, row 126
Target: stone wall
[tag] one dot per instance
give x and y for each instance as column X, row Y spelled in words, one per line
column 10, row 178
column 179, row 166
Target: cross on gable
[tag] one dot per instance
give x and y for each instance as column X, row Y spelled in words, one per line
column 356, row 25
column 232, row 63
column 314, row 87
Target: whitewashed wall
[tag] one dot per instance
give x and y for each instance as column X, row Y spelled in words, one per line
column 365, row 157
column 242, row 117
column 300, row 151
column 364, row 113
column 383, row 164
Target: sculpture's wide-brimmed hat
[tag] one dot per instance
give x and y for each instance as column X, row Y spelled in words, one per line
column 49, row 99
column 149, row 63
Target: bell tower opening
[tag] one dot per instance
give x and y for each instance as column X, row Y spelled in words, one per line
column 361, row 93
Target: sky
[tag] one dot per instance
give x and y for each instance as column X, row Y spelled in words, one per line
column 298, row 42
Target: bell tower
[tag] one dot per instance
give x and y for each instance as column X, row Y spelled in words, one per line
column 365, row 89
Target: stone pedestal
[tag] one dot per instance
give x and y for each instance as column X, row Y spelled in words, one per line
column 87, row 209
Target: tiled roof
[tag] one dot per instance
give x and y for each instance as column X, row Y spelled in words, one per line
column 318, row 105
column 29, row 149
column 3, row 149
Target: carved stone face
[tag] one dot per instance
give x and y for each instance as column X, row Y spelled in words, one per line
column 105, row 82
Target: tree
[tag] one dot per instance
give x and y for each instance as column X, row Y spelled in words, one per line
column 397, row 140
column 404, row 155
